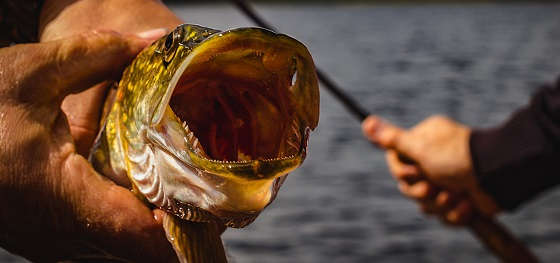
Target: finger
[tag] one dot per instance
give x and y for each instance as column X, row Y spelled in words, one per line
column 83, row 111
column 420, row 191
column 401, row 170
column 91, row 58
column 381, row 132
column 112, row 217
column 445, row 200
column 461, row 214
column 52, row 70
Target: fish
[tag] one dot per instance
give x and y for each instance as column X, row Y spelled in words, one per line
column 206, row 125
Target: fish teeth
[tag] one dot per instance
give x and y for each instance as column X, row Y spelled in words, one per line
column 194, row 143
column 243, row 157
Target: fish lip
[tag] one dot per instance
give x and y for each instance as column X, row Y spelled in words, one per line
column 160, row 109
column 254, row 169
column 189, row 157
column 173, row 83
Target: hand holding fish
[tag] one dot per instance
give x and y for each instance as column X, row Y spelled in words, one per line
column 61, row 19
column 437, row 171
column 54, row 205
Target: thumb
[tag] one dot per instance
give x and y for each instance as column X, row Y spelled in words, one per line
column 58, row 68
column 382, row 133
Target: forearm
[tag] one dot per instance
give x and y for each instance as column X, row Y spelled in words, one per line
column 61, row 18
column 518, row 160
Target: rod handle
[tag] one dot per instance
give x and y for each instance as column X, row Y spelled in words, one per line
column 500, row 241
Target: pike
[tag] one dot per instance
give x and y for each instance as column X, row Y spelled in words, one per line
column 206, row 125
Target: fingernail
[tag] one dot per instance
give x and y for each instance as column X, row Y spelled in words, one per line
column 153, row 34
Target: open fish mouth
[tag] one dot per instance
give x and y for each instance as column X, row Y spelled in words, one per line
column 234, row 121
column 237, row 108
column 234, row 96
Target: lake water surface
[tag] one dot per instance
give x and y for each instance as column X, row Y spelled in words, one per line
column 474, row 63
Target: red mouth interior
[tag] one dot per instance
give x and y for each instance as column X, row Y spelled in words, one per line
column 238, row 110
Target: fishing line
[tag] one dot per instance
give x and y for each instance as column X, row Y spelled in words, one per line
column 496, row 237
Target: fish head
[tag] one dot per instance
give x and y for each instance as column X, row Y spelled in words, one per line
column 226, row 119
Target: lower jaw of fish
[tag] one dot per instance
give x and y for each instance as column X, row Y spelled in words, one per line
column 194, row 187
column 234, row 120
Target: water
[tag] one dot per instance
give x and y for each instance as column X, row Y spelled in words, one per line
column 475, row 63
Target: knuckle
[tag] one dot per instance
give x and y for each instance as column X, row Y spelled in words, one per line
column 404, row 188
column 400, row 174
column 86, row 42
column 443, row 199
column 103, row 35
column 389, row 137
column 422, row 190
column 402, row 171
column 390, row 157
column 452, row 218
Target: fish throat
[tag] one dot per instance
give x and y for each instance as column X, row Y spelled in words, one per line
column 237, row 105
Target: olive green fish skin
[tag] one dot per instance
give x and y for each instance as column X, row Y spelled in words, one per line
column 141, row 90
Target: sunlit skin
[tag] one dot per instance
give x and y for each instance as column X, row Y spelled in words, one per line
column 64, row 18
column 432, row 165
column 55, row 206
column 52, row 213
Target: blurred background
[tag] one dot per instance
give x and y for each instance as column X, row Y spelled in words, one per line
column 475, row 61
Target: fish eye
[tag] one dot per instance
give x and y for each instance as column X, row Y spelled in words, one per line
column 169, row 42
column 170, row 46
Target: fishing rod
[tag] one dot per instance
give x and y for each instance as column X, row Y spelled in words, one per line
column 496, row 237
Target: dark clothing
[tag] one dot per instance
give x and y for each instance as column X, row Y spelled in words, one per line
column 19, row 21
column 516, row 161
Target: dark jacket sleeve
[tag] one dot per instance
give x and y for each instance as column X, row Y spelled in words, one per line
column 520, row 159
